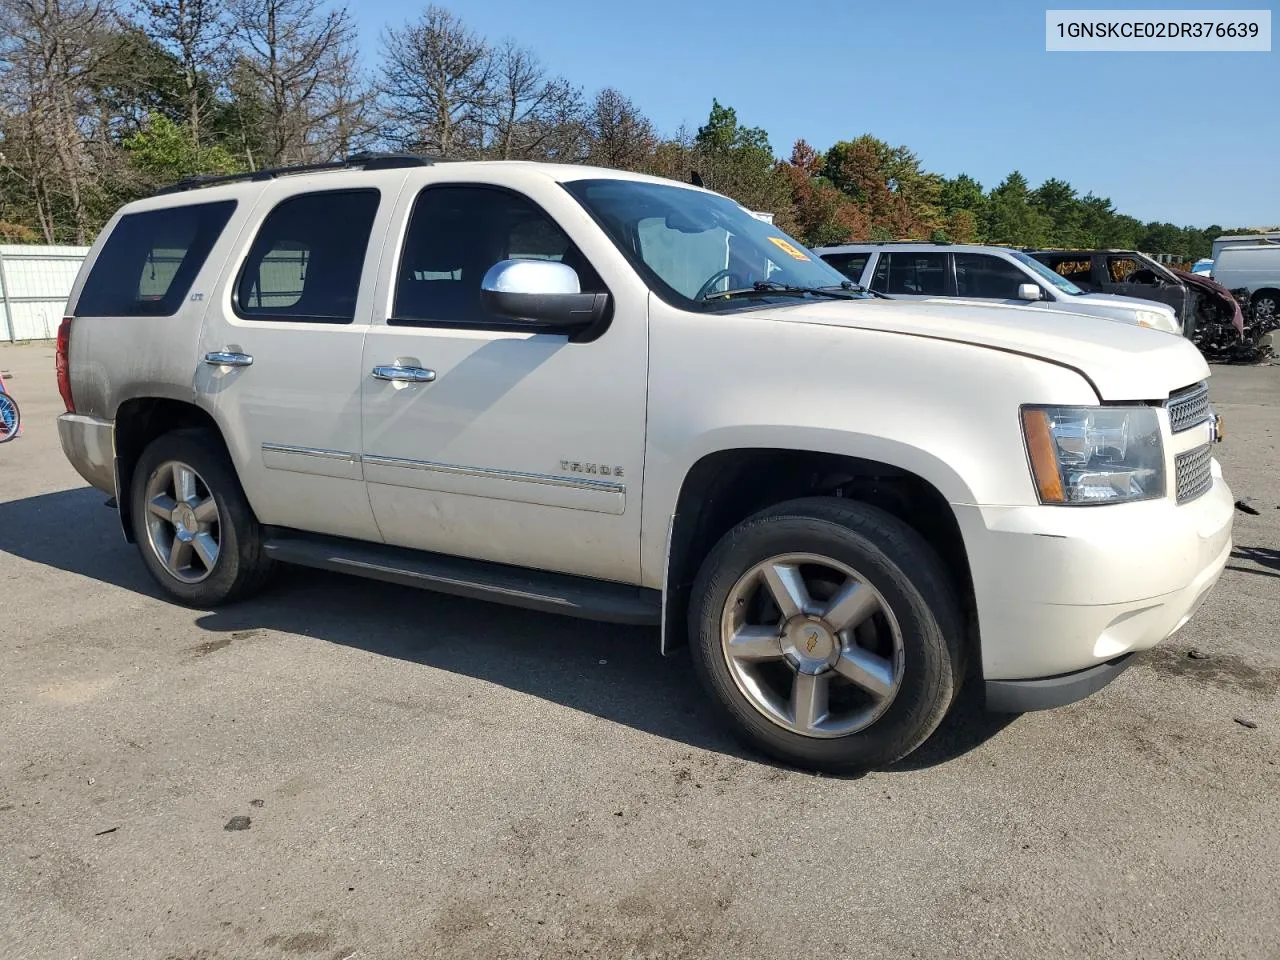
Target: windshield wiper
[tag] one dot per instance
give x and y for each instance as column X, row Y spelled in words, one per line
column 845, row 291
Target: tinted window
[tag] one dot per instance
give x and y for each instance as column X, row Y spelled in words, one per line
column 880, row 282
column 850, row 264
column 916, row 274
column 1120, row 268
column 456, row 234
column 306, row 261
column 149, row 262
column 982, row 275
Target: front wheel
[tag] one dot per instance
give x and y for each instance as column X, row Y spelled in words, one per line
column 10, row 417
column 1266, row 306
column 828, row 633
column 197, row 534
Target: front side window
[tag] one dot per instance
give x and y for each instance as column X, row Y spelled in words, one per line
column 151, row 259
column 306, row 261
column 987, row 277
column 916, row 274
column 691, row 246
column 1055, row 278
column 455, row 234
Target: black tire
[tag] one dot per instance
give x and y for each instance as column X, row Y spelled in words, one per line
column 9, row 431
column 910, row 578
column 242, row 567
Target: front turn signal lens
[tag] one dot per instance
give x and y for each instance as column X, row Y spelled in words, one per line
column 1044, row 461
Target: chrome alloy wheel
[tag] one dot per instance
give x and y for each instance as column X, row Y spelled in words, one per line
column 812, row 645
column 182, row 522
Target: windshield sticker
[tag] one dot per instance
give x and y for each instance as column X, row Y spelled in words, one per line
column 789, row 249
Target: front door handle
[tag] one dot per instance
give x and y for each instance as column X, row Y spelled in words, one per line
column 222, row 358
column 398, row 374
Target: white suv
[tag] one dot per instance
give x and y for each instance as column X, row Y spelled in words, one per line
column 927, row 271
column 623, row 398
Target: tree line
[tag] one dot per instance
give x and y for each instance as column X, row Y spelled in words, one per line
column 104, row 101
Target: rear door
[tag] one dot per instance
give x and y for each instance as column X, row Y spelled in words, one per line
column 281, row 345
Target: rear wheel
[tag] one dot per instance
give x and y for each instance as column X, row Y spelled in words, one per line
column 828, row 633
column 198, row 537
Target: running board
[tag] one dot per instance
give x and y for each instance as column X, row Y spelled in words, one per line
column 475, row 579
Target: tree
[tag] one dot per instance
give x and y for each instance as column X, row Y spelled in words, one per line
column 900, row 200
column 738, row 161
column 821, row 215
column 963, row 202
column 533, row 116
column 1056, row 201
column 165, row 152
column 194, row 34
column 617, row 134
column 300, row 61
column 436, row 85
column 49, row 53
column 1009, row 217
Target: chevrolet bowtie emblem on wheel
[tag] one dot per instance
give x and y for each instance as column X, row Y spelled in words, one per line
column 811, row 642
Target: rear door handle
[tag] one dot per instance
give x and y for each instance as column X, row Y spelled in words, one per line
column 399, row 374
column 221, row 358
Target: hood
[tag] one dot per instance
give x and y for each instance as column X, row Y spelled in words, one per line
column 1122, row 360
column 1115, row 300
column 1217, row 293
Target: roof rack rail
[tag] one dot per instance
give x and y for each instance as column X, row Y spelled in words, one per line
column 365, row 160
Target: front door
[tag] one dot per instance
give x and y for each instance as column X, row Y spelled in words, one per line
column 490, row 439
column 1129, row 276
column 280, row 355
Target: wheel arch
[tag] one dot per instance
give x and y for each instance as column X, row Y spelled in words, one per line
column 138, row 421
column 725, row 487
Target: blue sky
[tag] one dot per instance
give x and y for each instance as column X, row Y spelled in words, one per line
column 1193, row 138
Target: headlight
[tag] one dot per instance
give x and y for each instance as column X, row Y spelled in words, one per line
column 1083, row 455
column 1156, row 320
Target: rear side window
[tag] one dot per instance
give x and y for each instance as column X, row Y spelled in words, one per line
column 850, row 264
column 913, row 274
column 1075, row 269
column 149, row 262
column 306, row 261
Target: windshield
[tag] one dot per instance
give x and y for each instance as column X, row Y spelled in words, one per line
column 1057, row 279
column 691, row 245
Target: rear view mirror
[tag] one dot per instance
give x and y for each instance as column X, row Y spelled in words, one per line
column 1028, row 291
column 541, row 292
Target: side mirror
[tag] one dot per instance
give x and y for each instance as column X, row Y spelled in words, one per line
column 1028, row 291
column 541, row 292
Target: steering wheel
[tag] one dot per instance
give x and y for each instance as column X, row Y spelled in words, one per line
column 711, row 282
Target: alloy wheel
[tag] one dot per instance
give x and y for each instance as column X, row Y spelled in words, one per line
column 183, row 526
column 812, row 645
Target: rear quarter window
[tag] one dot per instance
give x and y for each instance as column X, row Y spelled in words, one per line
column 150, row 260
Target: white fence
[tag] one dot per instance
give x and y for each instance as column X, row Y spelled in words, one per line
column 34, row 285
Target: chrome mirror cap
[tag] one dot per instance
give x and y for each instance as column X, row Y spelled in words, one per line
column 531, row 277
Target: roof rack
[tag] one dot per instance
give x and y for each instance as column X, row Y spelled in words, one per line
column 366, row 160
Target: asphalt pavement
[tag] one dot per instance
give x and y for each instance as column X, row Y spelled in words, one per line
column 344, row 769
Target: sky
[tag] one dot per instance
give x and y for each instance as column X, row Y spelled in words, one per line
column 1190, row 138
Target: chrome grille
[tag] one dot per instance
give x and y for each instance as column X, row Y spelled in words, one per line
column 1190, row 408
column 1193, row 471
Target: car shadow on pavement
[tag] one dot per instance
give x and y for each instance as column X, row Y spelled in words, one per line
column 610, row 671
column 1262, row 556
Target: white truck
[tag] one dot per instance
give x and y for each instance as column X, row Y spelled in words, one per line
column 623, row 398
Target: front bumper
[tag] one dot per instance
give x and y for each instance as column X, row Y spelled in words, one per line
column 90, row 446
column 1060, row 590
